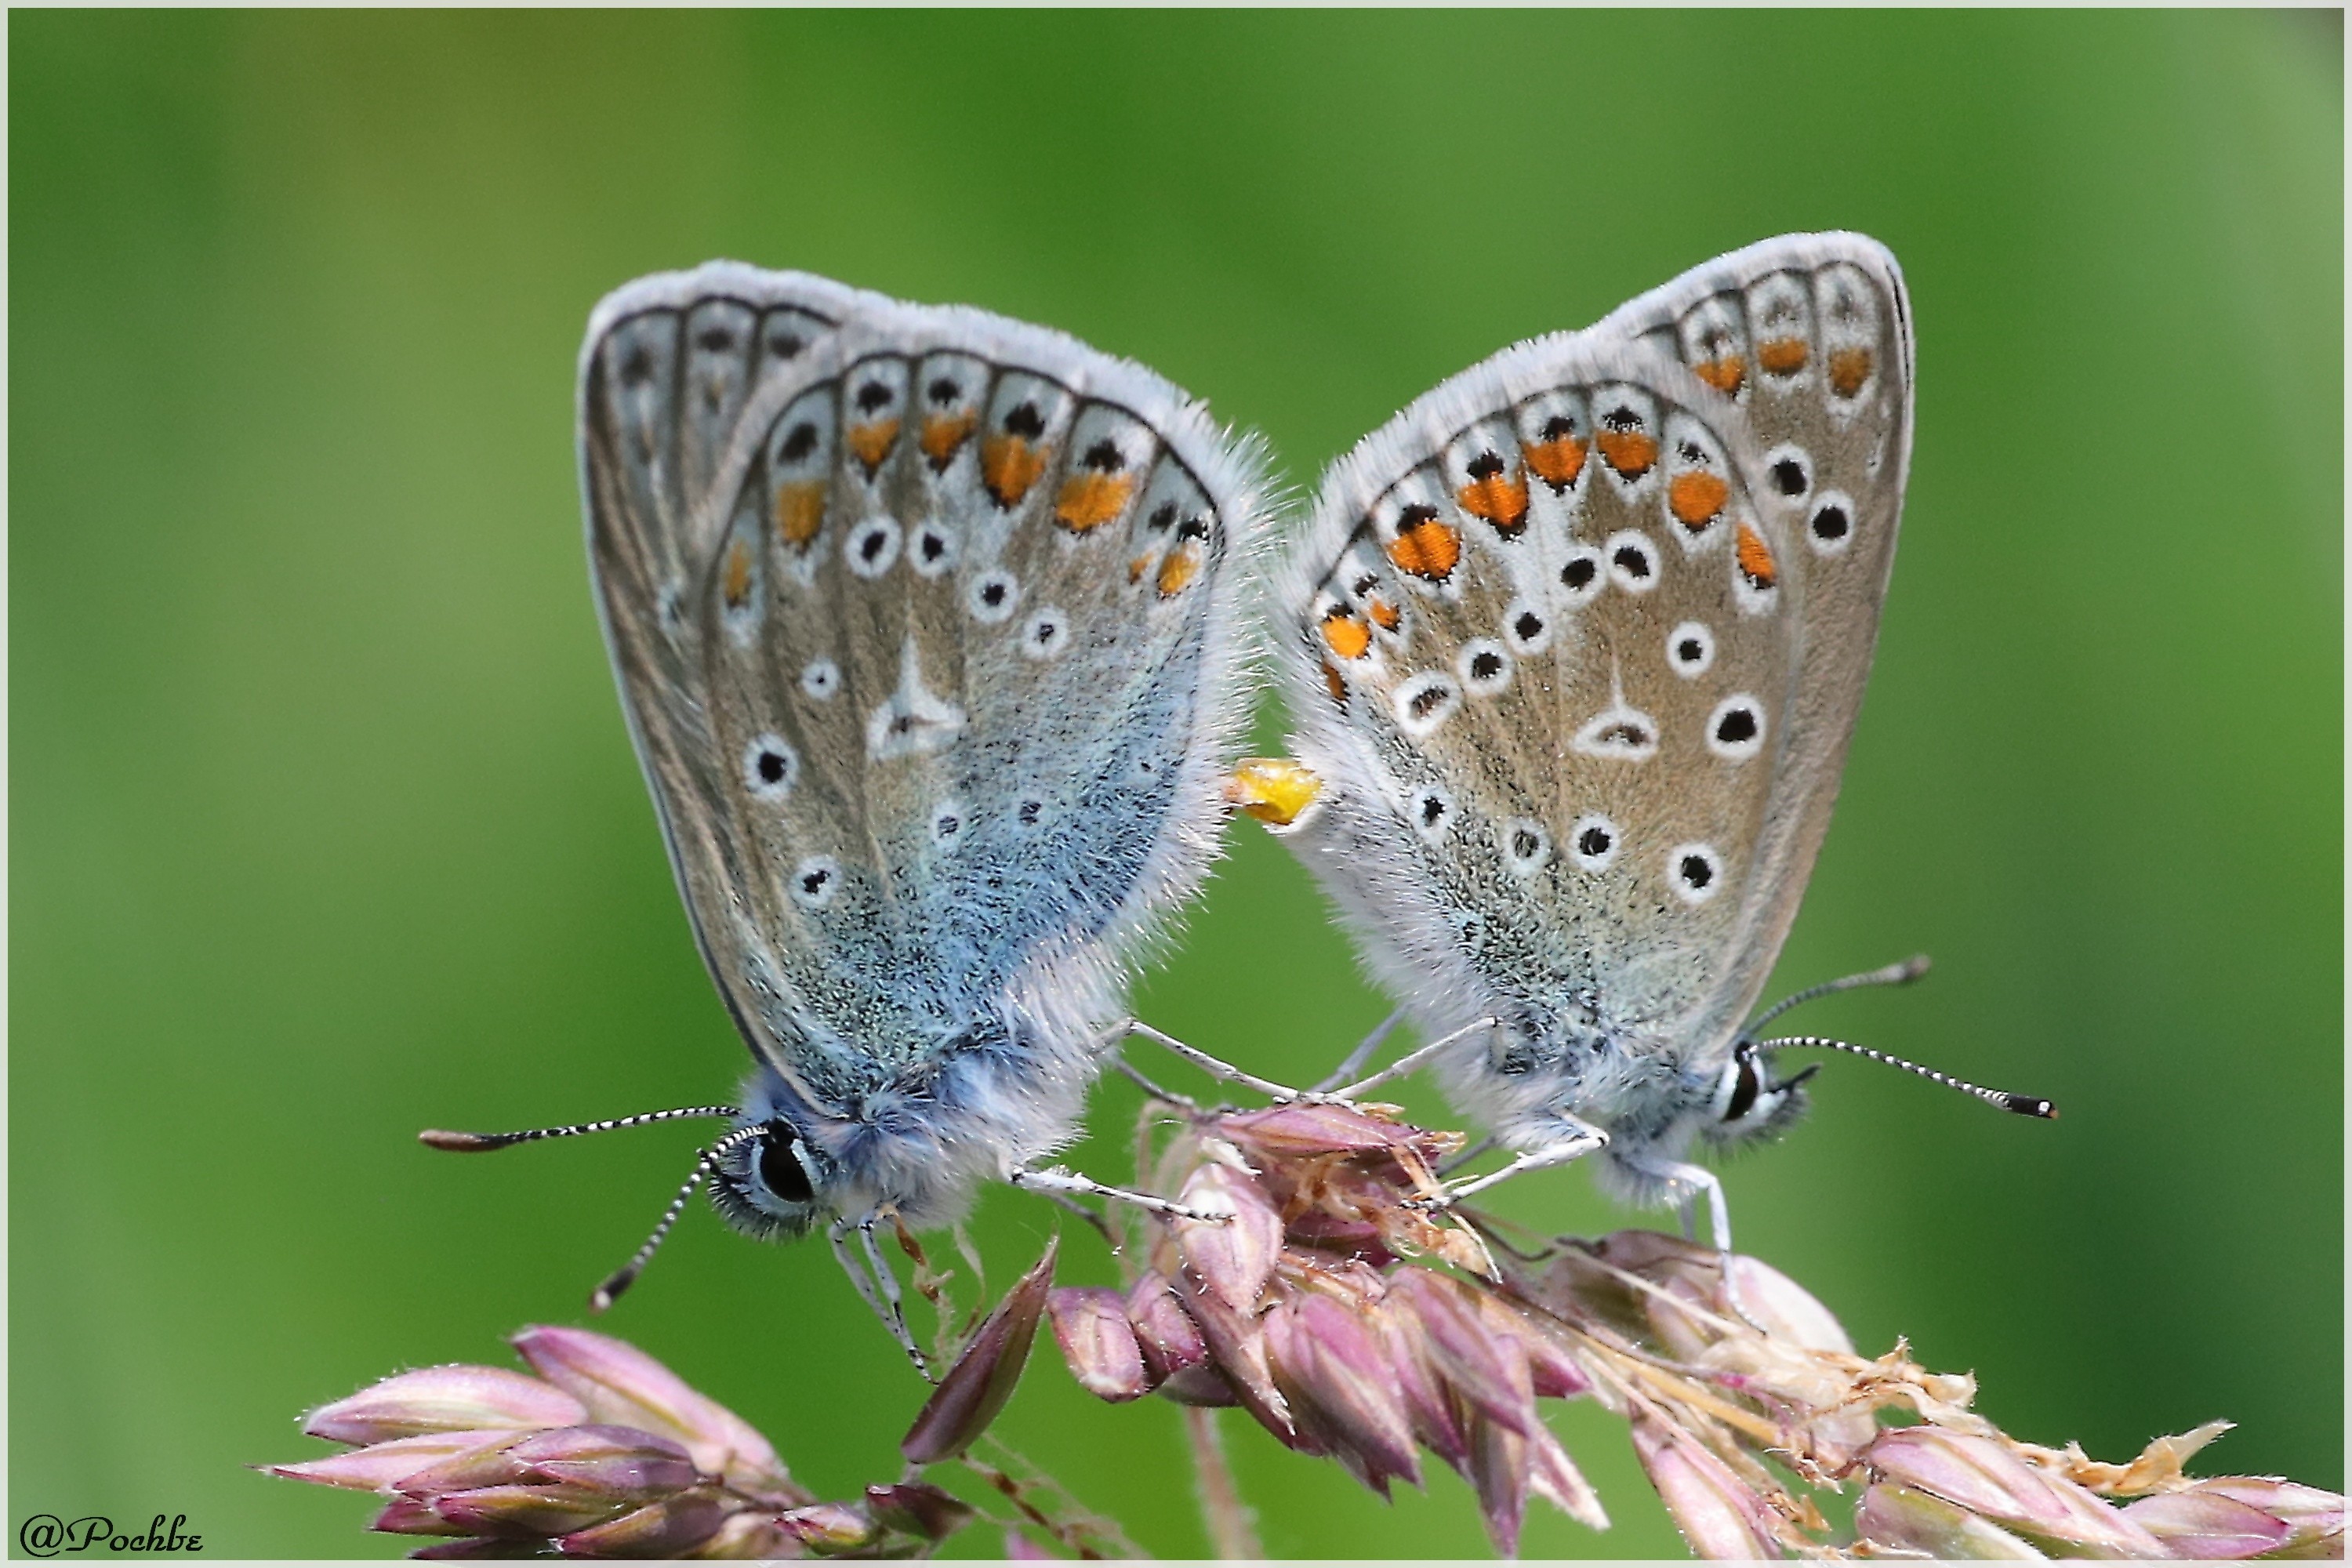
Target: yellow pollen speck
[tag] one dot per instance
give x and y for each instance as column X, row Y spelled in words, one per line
column 1558, row 462
column 1697, row 498
column 1089, row 499
column 1756, row 558
column 1275, row 790
column 800, row 510
column 942, row 434
column 1782, row 356
column 1629, row 452
column 1848, row 368
column 1180, row 567
column 1009, row 466
column 1723, row 374
column 871, row 443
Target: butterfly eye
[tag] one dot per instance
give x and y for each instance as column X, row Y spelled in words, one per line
column 780, row 1169
column 1736, row 1092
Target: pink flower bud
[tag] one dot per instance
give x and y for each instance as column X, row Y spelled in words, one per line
column 621, row 1386
column 1984, row 1478
column 1338, row 1377
column 620, row 1461
column 443, row 1399
column 1165, row 1333
column 1233, row 1258
column 1091, row 1324
column 671, row 1527
column 382, row 1467
column 913, row 1508
column 829, row 1528
column 525, row 1511
column 981, row 1380
column 1903, row 1521
column 1719, row 1514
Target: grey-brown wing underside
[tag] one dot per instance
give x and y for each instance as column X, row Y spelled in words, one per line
column 932, row 660
column 1578, row 667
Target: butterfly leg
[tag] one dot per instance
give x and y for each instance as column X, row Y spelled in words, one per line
column 1691, row 1183
column 1577, row 1140
column 1354, row 1059
column 1050, row 1183
column 1280, row 1093
column 879, row 1289
column 1415, row 1059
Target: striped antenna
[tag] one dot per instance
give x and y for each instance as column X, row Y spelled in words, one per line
column 707, row 1162
column 2023, row 1104
column 476, row 1142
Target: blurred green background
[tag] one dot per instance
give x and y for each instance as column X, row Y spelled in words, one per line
column 325, row 826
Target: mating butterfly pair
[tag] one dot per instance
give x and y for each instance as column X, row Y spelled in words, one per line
column 932, row 630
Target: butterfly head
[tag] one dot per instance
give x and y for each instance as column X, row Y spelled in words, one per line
column 1749, row 1104
column 772, row 1176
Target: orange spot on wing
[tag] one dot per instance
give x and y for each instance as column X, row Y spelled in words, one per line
column 735, row 579
column 1756, row 562
column 1335, row 685
column 1426, row 548
column 800, row 510
column 1091, row 499
column 1782, row 356
column 1725, row 374
column 942, row 434
column 1384, row 615
column 872, row 443
column 1346, row 636
column 1500, row 499
column 1629, row 452
column 1009, row 466
column 1137, row 567
column 1179, row 568
column 1848, row 368
column 1273, row 790
column 1696, row 499
column 1558, row 462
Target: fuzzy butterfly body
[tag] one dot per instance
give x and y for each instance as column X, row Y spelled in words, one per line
column 1576, row 643
column 926, row 625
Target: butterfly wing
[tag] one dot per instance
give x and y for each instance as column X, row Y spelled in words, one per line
column 929, row 635
column 1577, row 681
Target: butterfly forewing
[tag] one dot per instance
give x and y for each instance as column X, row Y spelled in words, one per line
column 1578, row 650
column 1809, row 336
column 931, row 652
